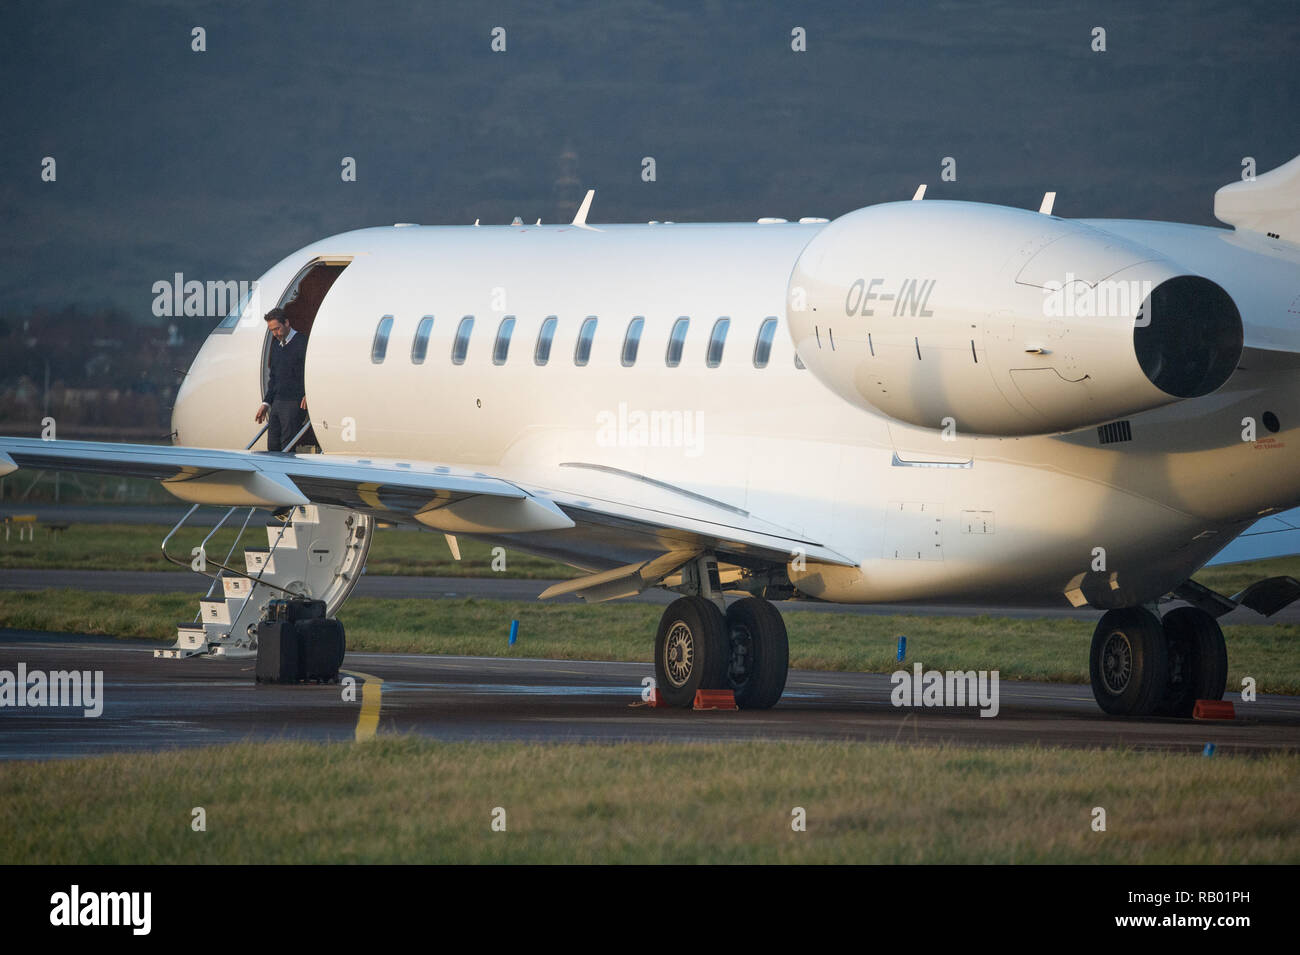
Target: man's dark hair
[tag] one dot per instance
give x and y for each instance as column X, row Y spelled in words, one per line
column 276, row 314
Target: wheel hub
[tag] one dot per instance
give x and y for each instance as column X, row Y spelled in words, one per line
column 742, row 656
column 679, row 654
column 1116, row 663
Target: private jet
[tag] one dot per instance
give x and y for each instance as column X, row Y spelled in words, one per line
column 918, row 402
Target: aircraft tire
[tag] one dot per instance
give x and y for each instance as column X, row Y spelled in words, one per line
column 1129, row 662
column 760, row 653
column 1198, row 660
column 691, row 650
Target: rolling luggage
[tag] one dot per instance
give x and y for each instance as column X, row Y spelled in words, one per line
column 278, row 659
column 320, row 648
column 291, row 611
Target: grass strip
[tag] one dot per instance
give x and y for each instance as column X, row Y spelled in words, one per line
column 1053, row 650
column 407, row 800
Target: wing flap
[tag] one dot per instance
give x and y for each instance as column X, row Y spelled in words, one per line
column 626, row 581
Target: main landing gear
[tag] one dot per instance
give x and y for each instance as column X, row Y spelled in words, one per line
column 701, row 646
column 1141, row 665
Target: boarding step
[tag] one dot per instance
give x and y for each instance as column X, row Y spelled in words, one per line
column 224, row 651
column 281, row 536
column 191, row 640
column 304, row 514
column 236, row 587
column 259, row 561
column 215, row 610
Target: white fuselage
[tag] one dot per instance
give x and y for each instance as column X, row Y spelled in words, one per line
column 929, row 516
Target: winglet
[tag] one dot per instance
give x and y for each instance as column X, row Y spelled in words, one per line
column 920, row 192
column 1049, row 200
column 581, row 217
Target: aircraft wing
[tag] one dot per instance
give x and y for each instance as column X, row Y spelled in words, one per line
column 1277, row 535
column 613, row 508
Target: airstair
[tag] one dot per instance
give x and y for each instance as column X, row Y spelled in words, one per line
column 316, row 551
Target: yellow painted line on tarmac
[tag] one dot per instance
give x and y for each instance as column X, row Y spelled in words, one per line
column 372, row 691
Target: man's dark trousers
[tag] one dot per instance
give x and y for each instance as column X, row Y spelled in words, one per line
column 285, row 420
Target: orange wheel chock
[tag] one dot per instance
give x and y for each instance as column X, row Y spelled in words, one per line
column 1213, row 710
column 715, row 700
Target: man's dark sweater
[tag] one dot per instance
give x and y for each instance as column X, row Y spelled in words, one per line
column 287, row 362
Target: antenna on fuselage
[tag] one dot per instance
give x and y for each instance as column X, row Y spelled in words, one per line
column 920, row 192
column 1049, row 200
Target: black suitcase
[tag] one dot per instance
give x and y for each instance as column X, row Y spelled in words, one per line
column 291, row 611
column 278, row 656
column 304, row 609
column 320, row 648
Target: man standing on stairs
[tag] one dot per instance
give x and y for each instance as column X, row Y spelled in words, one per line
column 285, row 400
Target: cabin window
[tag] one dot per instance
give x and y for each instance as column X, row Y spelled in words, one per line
column 420, row 347
column 546, row 335
column 763, row 347
column 379, row 347
column 677, row 341
column 502, row 347
column 232, row 318
column 632, row 341
column 582, row 353
column 717, row 340
column 460, row 346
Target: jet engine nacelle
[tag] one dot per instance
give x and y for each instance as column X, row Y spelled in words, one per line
column 997, row 321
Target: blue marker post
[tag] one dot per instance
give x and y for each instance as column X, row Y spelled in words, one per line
column 514, row 631
column 902, row 648
column 1209, row 750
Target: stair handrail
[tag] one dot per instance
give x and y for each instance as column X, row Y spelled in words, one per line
column 195, row 507
column 289, row 445
column 238, row 537
column 179, row 524
column 258, row 579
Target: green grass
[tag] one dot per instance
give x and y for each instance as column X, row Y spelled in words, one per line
column 1231, row 579
column 405, row 552
column 1051, row 650
column 405, row 800
column 410, row 553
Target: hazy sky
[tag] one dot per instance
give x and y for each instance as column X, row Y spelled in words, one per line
column 217, row 164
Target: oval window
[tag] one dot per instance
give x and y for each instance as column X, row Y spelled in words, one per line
column 582, row 353
column 420, row 347
column 677, row 341
column 460, row 347
column 379, row 347
column 546, row 335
